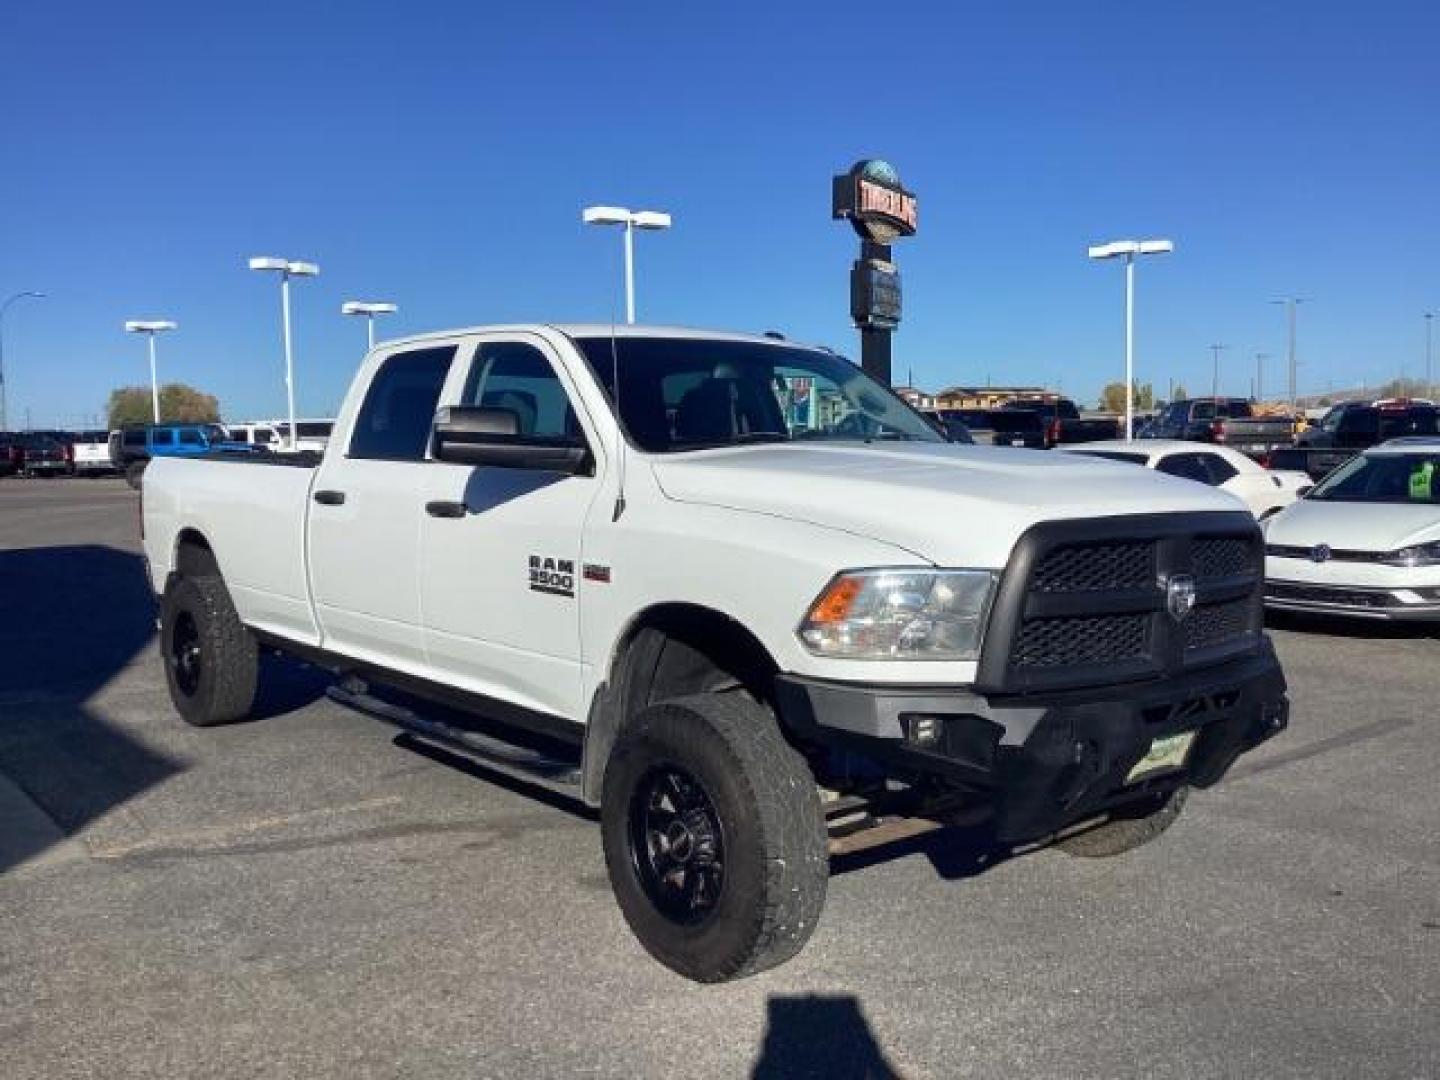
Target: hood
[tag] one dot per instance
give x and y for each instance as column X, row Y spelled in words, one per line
column 1353, row 526
column 952, row 505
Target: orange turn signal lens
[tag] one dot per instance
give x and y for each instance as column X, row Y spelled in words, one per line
column 836, row 601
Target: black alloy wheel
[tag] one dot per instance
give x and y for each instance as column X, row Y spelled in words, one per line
column 714, row 838
column 186, row 655
column 211, row 660
column 677, row 845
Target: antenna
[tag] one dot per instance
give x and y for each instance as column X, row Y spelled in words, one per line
column 619, row 424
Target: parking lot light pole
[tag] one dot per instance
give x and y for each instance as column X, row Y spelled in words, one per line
column 151, row 327
column 1429, row 382
column 639, row 219
column 1215, row 351
column 1260, row 358
column 4, row 307
column 370, row 310
column 1128, row 249
column 1290, row 303
column 286, row 268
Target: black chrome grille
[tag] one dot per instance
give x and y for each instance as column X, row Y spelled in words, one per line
column 1223, row 556
column 1067, row 642
column 1087, row 602
column 1218, row 624
column 1096, row 567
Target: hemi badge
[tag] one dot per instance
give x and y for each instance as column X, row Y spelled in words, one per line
column 596, row 572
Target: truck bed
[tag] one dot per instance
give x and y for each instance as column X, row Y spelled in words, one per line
column 1256, row 436
column 255, row 518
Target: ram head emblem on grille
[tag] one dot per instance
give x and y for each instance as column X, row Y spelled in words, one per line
column 1179, row 594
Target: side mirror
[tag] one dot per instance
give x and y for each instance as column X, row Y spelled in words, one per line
column 476, row 435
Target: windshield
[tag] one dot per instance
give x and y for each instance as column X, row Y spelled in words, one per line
column 692, row 393
column 1383, row 478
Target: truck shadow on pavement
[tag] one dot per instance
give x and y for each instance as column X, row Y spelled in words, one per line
column 955, row 853
column 815, row 1035
column 72, row 619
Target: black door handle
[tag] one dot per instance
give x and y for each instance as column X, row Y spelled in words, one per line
column 330, row 498
column 443, row 508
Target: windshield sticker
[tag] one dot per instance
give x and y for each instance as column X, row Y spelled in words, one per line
column 1420, row 478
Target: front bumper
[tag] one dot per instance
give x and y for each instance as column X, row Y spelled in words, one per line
column 1047, row 761
column 1352, row 601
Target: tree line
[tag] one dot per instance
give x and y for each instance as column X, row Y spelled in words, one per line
column 179, row 404
column 1112, row 398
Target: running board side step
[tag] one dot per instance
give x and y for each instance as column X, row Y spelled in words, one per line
column 517, row 762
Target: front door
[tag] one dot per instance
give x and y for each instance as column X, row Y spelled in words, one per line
column 500, row 582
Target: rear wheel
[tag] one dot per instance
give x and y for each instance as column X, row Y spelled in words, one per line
column 134, row 472
column 1135, row 828
column 212, row 663
column 714, row 837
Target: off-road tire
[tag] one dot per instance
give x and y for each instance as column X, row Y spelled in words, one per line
column 135, row 474
column 220, row 688
column 1126, row 833
column 775, row 866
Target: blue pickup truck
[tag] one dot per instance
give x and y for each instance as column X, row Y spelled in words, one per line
column 132, row 447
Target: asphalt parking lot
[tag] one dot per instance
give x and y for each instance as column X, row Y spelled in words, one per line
column 307, row 895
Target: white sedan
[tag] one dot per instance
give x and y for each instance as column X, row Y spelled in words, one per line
column 1366, row 541
column 1262, row 490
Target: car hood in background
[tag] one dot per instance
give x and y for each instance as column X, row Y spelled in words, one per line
column 1353, row 526
column 953, row 505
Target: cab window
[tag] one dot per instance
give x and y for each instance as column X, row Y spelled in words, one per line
column 1218, row 468
column 518, row 378
column 1188, row 466
column 399, row 409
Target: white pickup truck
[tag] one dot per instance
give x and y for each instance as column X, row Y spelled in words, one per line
column 737, row 595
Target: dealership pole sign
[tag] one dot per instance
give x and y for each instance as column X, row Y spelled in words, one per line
column 871, row 198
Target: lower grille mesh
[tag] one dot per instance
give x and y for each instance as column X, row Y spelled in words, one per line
column 1217, row 624
column 1092, row 639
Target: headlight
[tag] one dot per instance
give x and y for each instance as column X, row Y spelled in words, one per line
column 1418, row 555
column 901, row 614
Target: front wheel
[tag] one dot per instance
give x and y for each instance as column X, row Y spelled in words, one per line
column 1129, row 829
column 212, row 663
column 714, row 837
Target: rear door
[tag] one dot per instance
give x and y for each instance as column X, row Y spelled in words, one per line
column 366, row 510
column 500, row 559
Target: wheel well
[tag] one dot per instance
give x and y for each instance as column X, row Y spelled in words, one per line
column 669, row 651
column 678, row 649
column 193, row 555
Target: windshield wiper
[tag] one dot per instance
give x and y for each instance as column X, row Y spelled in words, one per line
column 760, row 436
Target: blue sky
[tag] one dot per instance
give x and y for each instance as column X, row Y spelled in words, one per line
column 438, row 155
